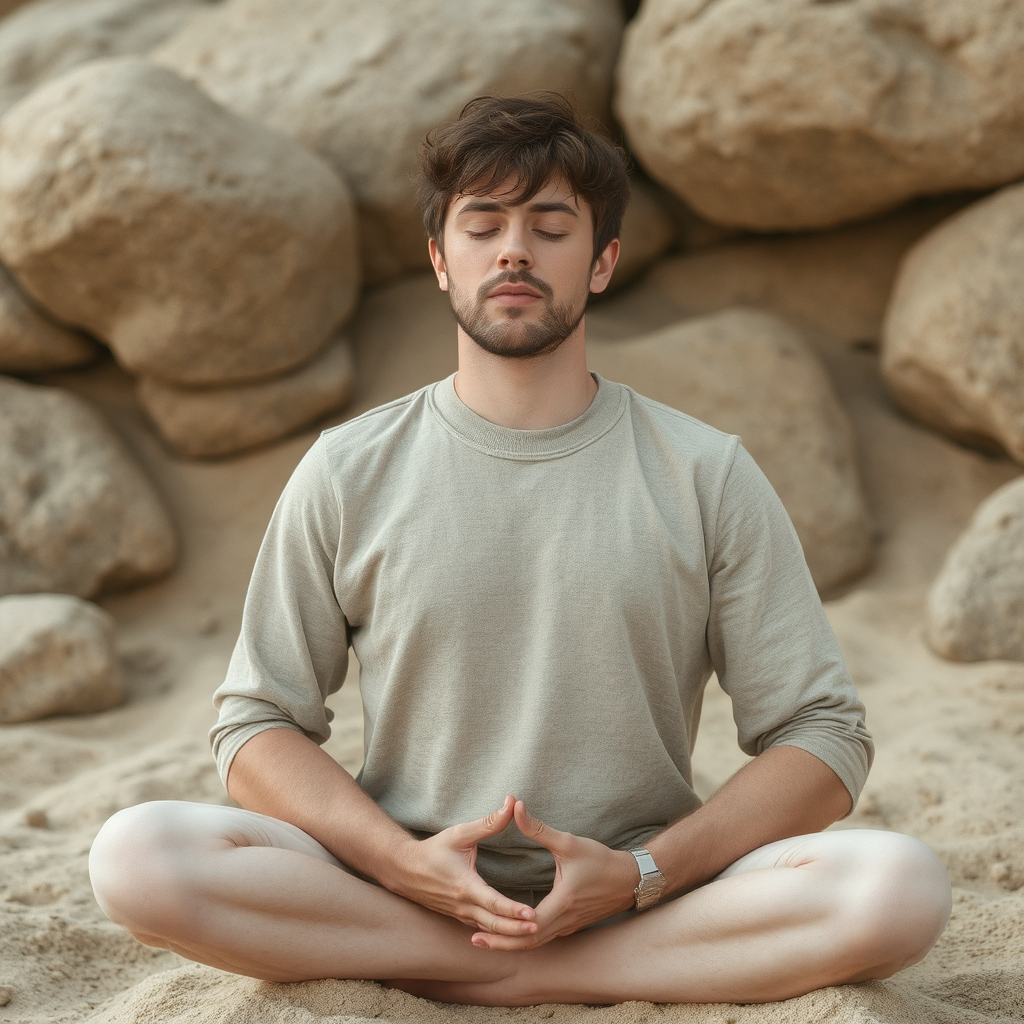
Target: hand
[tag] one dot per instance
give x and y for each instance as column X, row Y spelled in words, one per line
column 440, row 874
column 592, row 882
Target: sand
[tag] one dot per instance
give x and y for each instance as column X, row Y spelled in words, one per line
column 950, row 765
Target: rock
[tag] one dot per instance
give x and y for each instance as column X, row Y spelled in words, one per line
column 976, row 605
column 32, row 343
column 56, row 658
column 221, row 421
column 750, row 373
column 202, row 247
column 648, row 229
column 834, row 283
column 797, row 114
column 361, row 83
column 48, row 37
column 953, row 341
column 77, row 516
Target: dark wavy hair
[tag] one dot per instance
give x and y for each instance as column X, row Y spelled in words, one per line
column 513, row 146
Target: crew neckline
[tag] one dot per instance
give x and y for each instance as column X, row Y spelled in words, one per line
column 528, row 445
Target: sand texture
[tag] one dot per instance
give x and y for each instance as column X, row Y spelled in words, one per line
column 950, row 736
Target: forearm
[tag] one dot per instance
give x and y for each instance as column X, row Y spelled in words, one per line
column 781, row 793
column 284, row 774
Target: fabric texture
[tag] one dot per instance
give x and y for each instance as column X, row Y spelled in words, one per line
column 537, row 613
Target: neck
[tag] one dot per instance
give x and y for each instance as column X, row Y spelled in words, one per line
column 526, row 394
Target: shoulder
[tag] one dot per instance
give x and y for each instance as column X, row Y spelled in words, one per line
column 375, row 426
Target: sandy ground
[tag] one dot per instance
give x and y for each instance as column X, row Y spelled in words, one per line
column 950, row 765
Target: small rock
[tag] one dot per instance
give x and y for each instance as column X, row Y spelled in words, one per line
column 77, row 515
column 648, row 229
column 361, row 83
column 792, row 114
column 56, row 658
column 32, row 343
column 953, row 341
column 976, row 604
column 6, row 995
column 208, row 422
column 50, row 37
column 1000, row 872
column 202, row 247
column 750, row 373
column 34, row 818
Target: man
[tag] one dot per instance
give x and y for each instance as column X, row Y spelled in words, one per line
column 538, row 570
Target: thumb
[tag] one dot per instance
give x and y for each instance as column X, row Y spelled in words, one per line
column 535, row 829
column 489, row 825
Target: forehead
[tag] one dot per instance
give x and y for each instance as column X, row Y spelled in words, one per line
column 553, row 197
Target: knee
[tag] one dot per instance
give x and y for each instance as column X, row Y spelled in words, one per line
column 896, row 903
column 137, row 868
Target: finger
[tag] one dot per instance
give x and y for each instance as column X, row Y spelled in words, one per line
column 508, row 943
column 492, row 901
column 492, row 924
column 535, row 829
column 489, row 825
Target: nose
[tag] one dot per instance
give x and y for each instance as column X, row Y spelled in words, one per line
column 514, row 253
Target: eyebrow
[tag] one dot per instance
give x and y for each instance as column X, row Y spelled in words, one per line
column 492, row 206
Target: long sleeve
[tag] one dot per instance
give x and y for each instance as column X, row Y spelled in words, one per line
column 292, row 651
column 769, row 639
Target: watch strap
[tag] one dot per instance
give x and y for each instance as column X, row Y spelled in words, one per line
column 652, row 881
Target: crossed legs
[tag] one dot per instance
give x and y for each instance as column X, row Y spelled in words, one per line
column 256, row 896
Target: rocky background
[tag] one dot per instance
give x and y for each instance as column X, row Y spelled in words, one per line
column 209, row 250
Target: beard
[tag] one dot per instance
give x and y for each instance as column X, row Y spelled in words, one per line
column 509, row 335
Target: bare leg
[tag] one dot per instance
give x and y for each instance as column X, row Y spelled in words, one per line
column 791, row 917
column 255, row 896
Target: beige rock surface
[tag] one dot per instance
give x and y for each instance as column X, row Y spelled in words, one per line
column 835, row 283
column 976, row 605
column 77, row 515
column 648, row 229
column 32, row 343
column 953, row 346
column 801, row 114
column 57, row 657
column 750, row 373
column 45, row 38
column 361, row 83
column 202, row 247
column 208, row 422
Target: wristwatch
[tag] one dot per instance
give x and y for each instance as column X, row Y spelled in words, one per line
column 652, row 881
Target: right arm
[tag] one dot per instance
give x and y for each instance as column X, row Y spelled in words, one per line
column 285, row 775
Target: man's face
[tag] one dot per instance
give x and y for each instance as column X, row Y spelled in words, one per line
column 519, row 276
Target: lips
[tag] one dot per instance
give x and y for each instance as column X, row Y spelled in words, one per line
column 514, row 289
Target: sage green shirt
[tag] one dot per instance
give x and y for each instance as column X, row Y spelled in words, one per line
column 537, row 613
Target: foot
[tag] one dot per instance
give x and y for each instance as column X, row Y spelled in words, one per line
column 507, row 991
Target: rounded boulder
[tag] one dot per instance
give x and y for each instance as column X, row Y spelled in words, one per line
column 362, row 83
column 795, row 114
column 204, row 248
column 953, row 337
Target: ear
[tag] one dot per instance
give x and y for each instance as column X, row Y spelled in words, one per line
column 603, row 267
column 438, row 262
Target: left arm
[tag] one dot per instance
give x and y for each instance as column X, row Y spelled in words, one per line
column 783, row 792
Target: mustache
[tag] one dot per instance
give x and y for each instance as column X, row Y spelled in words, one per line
column 514, row 277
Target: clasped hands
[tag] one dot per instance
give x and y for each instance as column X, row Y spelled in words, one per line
column 592, row 881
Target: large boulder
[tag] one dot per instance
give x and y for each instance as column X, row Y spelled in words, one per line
column 750, row 373
column 48, row 37
column 796, row 114
column 976, row 605
column 208, row 422
column 77, row 516
column 649, row 228
column 32, row 343
column 361, row 83
column 953, row 341
column 57, row 657
column 202, row 247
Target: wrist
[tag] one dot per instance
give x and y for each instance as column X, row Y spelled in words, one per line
column 394, row 864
